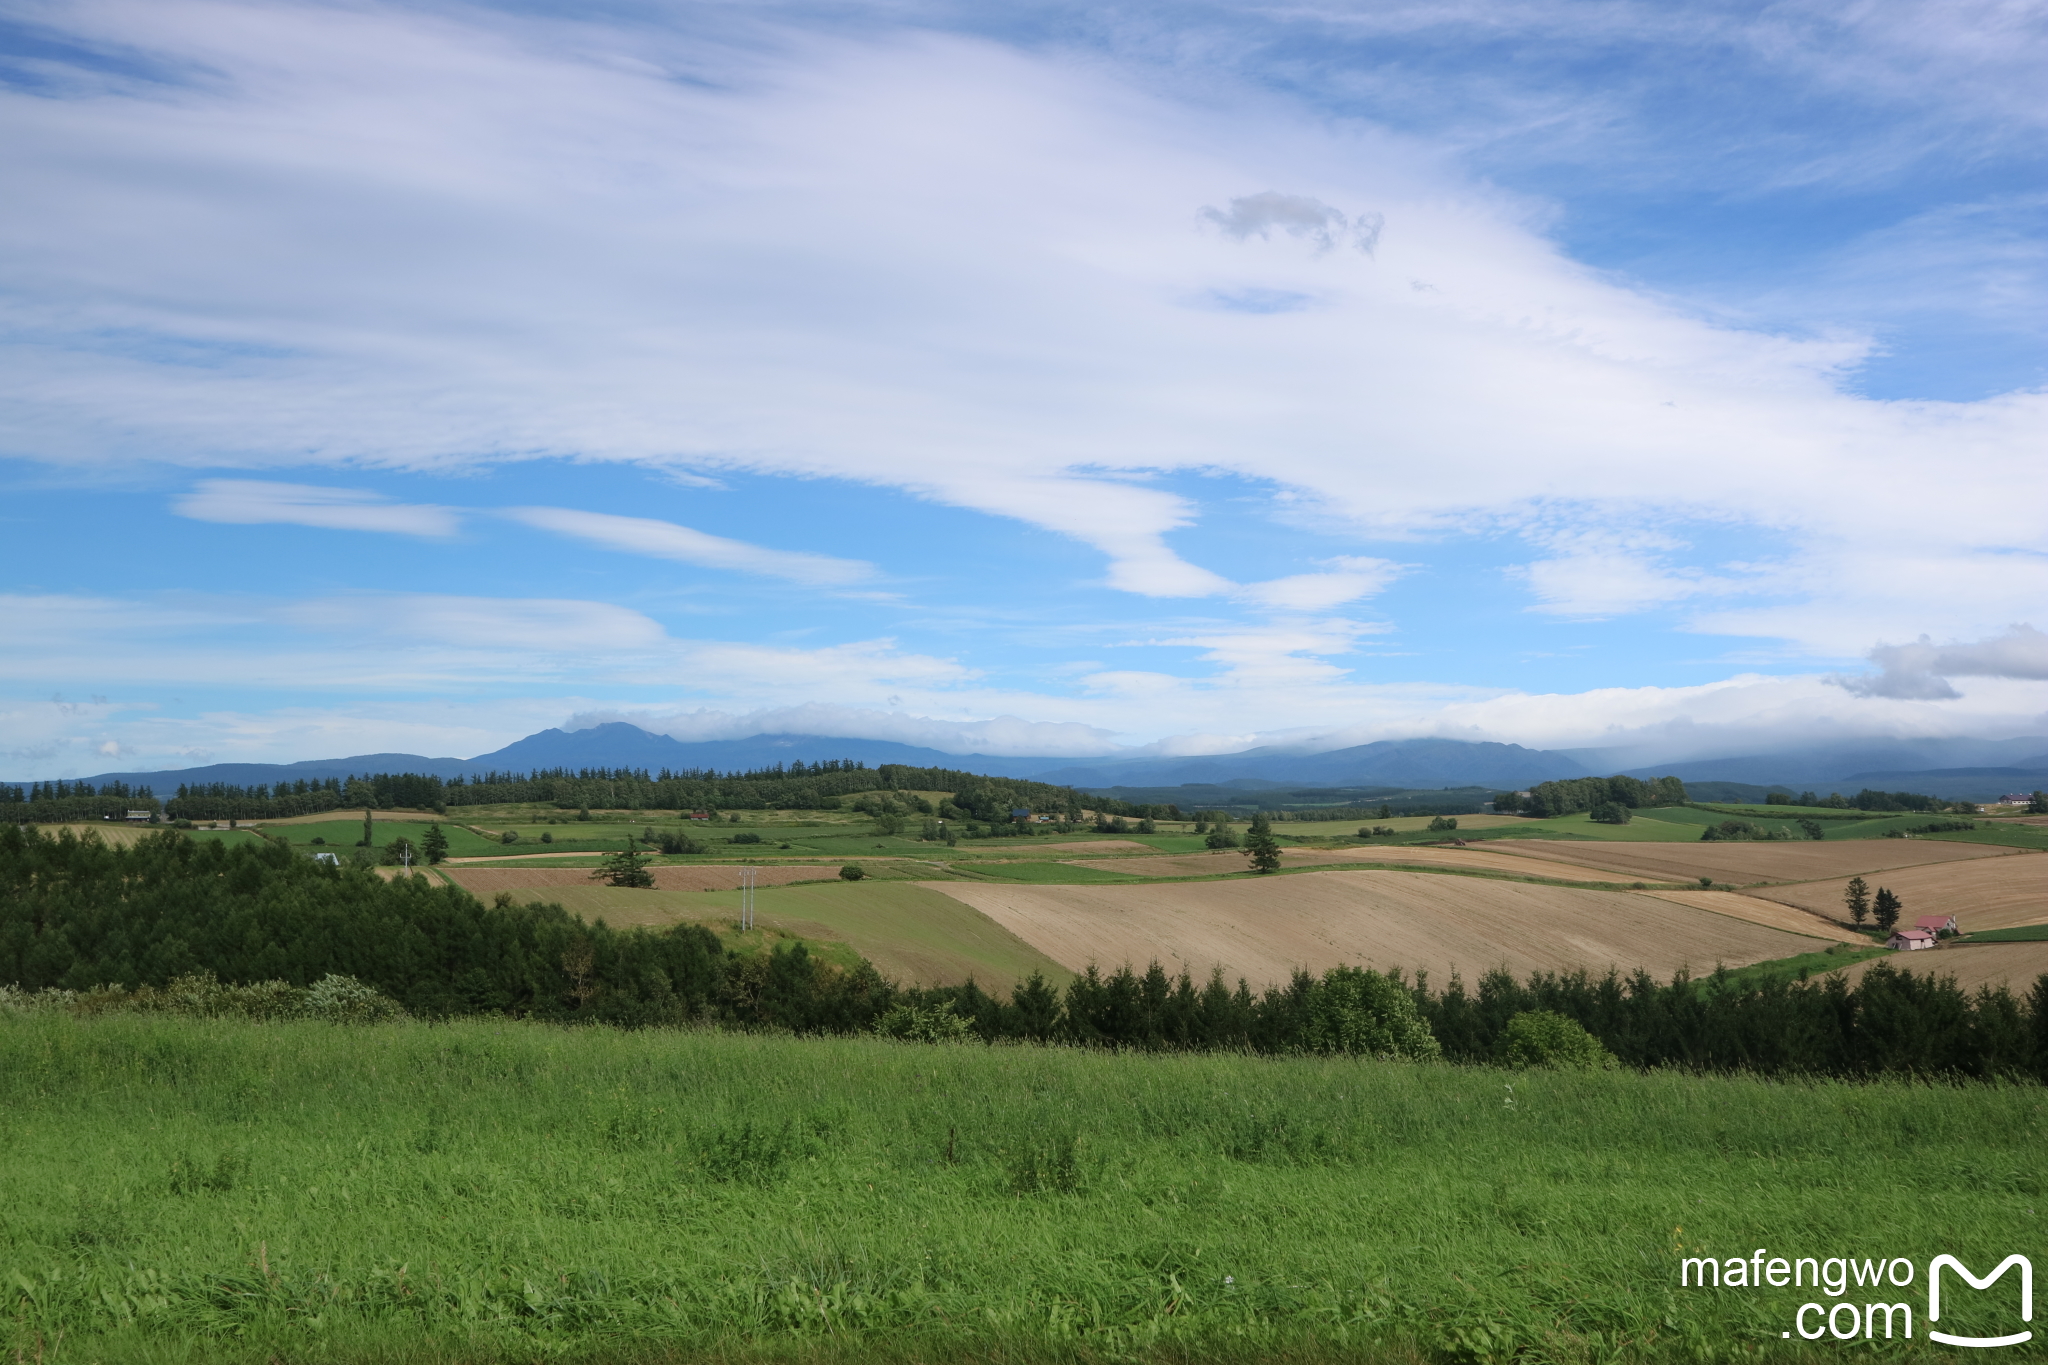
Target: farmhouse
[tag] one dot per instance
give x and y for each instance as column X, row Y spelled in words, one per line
column 1937, row 925
column 1910, row 941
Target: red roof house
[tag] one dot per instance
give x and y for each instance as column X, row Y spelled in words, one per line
column 1937, row 924
column 1910, row 941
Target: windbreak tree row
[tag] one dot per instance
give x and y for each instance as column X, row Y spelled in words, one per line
column 818, row 786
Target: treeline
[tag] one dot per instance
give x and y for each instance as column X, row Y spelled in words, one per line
column 11, row 793
column 795, row 786
column 1569, row 796
column 76, row 914
column 57, row 803
column 1890, row 1023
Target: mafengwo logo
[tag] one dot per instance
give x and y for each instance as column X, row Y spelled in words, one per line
column 1846, row 1319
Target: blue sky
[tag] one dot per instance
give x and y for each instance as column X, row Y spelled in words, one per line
column 1178, row 378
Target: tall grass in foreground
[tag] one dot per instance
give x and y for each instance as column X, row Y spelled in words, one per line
column 184, row 1190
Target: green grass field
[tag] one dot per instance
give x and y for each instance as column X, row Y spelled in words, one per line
column 911, row 934
column 207, row 1191
column 2025, row 933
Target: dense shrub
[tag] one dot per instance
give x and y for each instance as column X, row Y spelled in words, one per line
column 1548, row 1039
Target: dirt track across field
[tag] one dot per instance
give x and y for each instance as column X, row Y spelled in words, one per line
column 1263, row 929
column 487, row 882
column 2016, row 965
column 1742, row 863
column 1232, row 860
column 1765, row 912
column 1992, row 893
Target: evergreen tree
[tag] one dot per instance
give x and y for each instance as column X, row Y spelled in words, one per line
column 2039, row 804
column 1885, row 909
column 434, row 843
column 1386, row 811
column 1857, row 897
column 1261, row 849
column 369, row 839
column 625, row 868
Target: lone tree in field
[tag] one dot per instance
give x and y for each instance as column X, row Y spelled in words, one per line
column 1261, row 849
column 1885, row 909
column 2039, row 804
column 1857, row 897
column 368, row 839
column 625, row 868
column 434, row 843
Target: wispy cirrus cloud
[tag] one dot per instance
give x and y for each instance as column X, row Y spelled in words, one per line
column 667, row 540
column 1349, row 578
column 251, row 502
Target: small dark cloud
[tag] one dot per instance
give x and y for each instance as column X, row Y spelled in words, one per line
column 1297, row 215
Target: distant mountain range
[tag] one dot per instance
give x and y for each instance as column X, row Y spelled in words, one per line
column 1964, row 769
column 1388, row 763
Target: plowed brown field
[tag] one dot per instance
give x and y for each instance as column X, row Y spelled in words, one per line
column 487, row 882
column 1994, row 893
column 1216, row 864
column 1743, row 863
column 1263, row 929
column 1972, row 964
column 1765, row 912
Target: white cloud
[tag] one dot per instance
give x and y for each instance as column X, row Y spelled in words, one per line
column 996, row 735
column 667, row 540
column 598, row 259
column 1352, row 577
column 249, row 502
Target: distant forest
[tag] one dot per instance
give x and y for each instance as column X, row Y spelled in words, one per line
column 795, row 786
column 819, row 786
column 76, row 914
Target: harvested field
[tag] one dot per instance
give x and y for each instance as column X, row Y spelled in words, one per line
column 1993, row 893
column 487, row 882
column 1263, row 929
column 1769, row 913
column 1482, row 857
column 1085, row 846
column 1231, row 860
column 1742, row 863
column 2016, row 965
column 111, row 833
